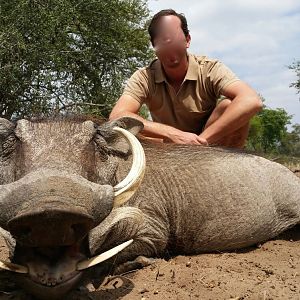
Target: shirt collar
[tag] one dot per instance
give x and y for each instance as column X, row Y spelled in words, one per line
column 191, row 74
column 159, row 73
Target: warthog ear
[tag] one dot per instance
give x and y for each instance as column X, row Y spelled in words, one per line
column 115, row 142
column 7, row 147
column 6, row 127
column 130, row 124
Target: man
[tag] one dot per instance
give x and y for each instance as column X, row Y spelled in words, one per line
column 182, row 92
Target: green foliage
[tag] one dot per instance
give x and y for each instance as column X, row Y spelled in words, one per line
column 290, row 144
column 65, row 54
column 144, row 112
column 268, row 129
column 296, row 67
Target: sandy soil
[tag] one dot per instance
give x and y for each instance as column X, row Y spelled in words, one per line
column 267, row 271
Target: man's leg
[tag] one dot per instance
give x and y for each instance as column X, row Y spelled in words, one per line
column 236, row 139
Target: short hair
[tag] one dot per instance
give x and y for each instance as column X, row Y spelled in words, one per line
column 152, row 28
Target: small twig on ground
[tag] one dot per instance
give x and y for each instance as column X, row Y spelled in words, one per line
column 265, row 295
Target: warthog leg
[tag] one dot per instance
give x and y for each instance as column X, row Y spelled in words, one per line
column 139, row 263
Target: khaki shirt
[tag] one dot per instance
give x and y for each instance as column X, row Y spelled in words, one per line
column 189, row 109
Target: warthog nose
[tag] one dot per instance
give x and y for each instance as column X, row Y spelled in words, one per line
column 50, row 228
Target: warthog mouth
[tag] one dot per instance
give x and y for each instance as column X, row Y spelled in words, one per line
column 53, row 270
column 50, row 292
column 50, row 266
column 47, row 272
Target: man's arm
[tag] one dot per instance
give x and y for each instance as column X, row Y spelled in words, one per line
column 129, row 107
column 245, row 104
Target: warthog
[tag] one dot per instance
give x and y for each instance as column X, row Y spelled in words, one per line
column 65, row 200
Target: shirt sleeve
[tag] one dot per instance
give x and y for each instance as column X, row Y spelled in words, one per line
column 219, row 76
column 138, row 86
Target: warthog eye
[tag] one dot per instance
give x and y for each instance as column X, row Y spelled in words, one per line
column 105, row 149
column 7, row 138
column 101, row 147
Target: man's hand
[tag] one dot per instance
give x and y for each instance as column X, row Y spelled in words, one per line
column 182, row 137
column 127, row 106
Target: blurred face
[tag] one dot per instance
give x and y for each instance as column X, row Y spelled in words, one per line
column 170, row 43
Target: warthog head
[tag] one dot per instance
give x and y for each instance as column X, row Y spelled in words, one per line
column 57, row 182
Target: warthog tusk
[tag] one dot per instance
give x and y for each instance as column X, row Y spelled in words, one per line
column 125, row 189
column 5, row 265
column 102, row 257
column 82, row 265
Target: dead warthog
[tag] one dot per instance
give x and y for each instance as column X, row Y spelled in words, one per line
column 73, row 189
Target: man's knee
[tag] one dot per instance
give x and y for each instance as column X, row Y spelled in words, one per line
column 236, row 139
column 218, row 111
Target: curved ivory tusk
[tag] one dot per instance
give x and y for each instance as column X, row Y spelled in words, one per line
column 125, row 189
column 5, row 265
column 102, row 257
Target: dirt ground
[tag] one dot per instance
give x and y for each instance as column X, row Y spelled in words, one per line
column 267, row 271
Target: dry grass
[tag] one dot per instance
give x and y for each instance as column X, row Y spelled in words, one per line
column 291, row 162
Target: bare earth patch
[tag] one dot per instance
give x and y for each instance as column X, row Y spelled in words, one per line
column 268, row 271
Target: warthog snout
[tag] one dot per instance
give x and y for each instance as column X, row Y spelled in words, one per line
column 49, row 208
column 50, row 227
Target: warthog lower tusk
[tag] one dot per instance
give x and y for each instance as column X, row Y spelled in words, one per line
column 5, row 265
column 102, row 257
column 125, row 189
column 82, row 265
